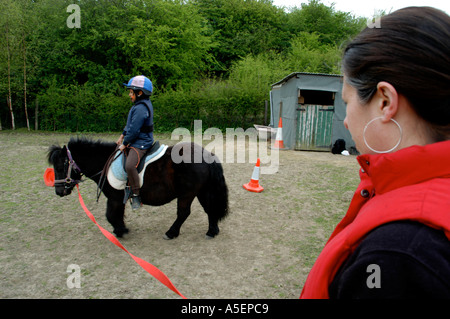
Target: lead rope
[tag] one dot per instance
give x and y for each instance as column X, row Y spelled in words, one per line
column 152, row 270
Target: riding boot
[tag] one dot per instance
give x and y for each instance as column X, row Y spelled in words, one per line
column 134, row 156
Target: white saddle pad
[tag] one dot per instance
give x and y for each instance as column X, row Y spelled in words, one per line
column 117, row 177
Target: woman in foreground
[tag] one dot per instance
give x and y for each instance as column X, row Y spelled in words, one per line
column 394, row 241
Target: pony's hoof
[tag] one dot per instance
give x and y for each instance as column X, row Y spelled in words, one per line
column 120, row 232
column 167, row 237
column 210, row 234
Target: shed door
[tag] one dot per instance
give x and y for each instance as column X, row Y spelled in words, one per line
column 314, row 127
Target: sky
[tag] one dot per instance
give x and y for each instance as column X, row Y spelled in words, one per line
column 365, row 8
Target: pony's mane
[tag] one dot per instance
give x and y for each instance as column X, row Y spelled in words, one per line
column 52, row 152
column 86, row 143
column 81, row 145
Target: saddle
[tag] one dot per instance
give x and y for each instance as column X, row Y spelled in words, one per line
column 117, row 176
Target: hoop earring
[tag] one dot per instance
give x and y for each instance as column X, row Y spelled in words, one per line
column 390, row 150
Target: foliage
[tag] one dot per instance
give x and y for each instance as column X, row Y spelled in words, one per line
column 76, row 108
column 332, row 27
column 308, row 54
column 243, row 27
column 208, row 59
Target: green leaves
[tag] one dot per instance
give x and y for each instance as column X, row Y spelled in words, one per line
column 77, row 108
column 166, row 40
column 208, row 59
column 242, row 27
column 309, row 54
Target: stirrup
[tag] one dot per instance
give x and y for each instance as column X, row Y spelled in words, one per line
column 136, row 202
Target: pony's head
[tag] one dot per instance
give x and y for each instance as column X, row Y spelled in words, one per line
column 67, row 173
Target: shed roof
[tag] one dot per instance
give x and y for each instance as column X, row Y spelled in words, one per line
column 287, row 78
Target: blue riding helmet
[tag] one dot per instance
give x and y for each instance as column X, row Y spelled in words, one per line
column 140, row 82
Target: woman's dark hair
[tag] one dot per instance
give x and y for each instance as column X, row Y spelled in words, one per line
column 410, row 49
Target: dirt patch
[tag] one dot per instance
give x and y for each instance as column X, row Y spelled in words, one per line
column 265, row 249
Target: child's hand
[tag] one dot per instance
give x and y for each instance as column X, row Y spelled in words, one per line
column 120, row 140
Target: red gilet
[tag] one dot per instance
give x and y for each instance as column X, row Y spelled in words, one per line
column 410, row 184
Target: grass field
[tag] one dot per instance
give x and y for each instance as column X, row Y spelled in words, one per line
column 265, row 249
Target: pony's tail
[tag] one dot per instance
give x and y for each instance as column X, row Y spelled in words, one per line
column 217, row 191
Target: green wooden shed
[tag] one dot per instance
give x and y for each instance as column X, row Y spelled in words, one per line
column 312, row 111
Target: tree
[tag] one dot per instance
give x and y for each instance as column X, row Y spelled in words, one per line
column 210, row 59
column 26, row 27
column 167, row 41
column 9, row 22
column 309, row 54
column 333, row 27
column 18, row 22
column 243, row 27
column 8, row 54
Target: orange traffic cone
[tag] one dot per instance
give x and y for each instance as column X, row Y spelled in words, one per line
column 253, row 185
column 49, row 177
column 279, row 138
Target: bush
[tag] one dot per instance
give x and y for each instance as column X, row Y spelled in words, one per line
column 238, row 101
column 78, row 108
column 217, row 103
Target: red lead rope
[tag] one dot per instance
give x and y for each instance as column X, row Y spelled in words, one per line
column 152, row 270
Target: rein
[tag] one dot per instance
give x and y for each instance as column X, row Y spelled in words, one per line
column 69, row 182
column 104, row 172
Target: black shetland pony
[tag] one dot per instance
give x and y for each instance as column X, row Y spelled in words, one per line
column 164, row 180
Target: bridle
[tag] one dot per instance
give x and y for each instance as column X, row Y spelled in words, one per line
column 69, row 182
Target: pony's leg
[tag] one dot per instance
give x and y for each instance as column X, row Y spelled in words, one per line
column 115, row 211
column 213, row 228
column 183, row 212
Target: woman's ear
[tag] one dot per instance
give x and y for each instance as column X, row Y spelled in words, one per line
column 388, row 100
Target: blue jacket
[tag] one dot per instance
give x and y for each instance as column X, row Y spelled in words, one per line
column 139, row 118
